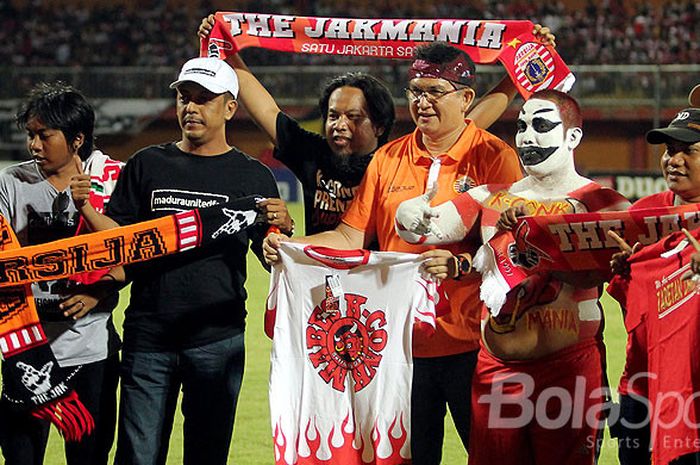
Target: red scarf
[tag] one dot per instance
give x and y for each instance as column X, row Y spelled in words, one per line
column 104, row 173
column 573, row 242
column 530, row 65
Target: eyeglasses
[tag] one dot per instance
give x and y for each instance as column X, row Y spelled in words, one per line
column 431, row 95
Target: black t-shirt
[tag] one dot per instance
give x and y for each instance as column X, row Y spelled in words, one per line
column 195, row 297
column 327, row 191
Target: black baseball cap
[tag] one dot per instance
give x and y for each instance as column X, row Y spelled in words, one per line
column 685, row 127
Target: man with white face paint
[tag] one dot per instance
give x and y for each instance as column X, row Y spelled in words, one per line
column 543, row 355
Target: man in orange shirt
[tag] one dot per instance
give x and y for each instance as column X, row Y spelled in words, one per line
column 445, row 155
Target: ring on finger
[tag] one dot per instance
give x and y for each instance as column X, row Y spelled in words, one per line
column 82, row 304
column 274, row 215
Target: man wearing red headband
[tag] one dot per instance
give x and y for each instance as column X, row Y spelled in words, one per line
column 446, row 155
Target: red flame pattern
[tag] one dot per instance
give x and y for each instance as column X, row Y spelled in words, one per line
column 344, row 445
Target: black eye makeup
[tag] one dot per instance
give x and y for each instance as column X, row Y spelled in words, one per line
column 544, row 125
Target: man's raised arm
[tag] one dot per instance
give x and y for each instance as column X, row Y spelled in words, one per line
column 261, row 106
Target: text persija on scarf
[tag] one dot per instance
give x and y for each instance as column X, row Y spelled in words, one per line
column 572, row 242
column 531, row 65
column 34, row 380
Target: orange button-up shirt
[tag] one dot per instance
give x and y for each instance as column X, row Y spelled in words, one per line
column 398, row 172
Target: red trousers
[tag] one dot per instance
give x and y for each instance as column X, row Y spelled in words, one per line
column 538, row 412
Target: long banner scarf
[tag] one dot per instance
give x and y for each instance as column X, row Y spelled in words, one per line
column 573, row 242
column 34, row 379
column 530, row 65
column 73, row 417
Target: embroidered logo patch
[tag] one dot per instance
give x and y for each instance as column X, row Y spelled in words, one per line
column 36, row 381
column 237, row 221
column 522, row 253
column 216, row 46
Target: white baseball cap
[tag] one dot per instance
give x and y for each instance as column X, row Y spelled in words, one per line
column 213, row 74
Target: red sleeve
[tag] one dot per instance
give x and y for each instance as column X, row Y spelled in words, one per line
column 468, row 209
column 617, row 288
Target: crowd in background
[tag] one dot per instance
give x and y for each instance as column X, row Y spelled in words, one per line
column 158, row 34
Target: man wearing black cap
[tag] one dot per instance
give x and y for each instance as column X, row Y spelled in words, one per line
column 186, row 317
column 444, row 156
column 680, row 165
column 680, row 162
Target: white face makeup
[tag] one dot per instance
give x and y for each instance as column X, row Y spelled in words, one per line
column 540, row 131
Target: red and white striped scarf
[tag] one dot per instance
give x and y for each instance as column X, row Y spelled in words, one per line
column 104, row 173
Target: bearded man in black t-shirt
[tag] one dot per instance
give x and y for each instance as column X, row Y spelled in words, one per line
column 358, row 114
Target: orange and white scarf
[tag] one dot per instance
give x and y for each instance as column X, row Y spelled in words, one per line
column 34, row 380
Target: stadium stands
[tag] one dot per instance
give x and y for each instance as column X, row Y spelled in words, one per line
column 159, row 33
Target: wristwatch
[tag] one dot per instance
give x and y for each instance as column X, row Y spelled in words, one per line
column 464, row 265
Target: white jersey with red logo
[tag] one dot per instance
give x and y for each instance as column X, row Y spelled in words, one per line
column 341, row 365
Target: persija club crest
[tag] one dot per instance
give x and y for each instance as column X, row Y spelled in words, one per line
column 349, row 345
column 534, row 66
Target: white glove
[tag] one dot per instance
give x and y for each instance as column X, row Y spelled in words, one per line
column 417, row 222
column 414, row 218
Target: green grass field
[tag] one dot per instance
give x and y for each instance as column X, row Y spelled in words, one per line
column 252, row 443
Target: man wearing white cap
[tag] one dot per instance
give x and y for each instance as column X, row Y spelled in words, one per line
column 185, row 321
